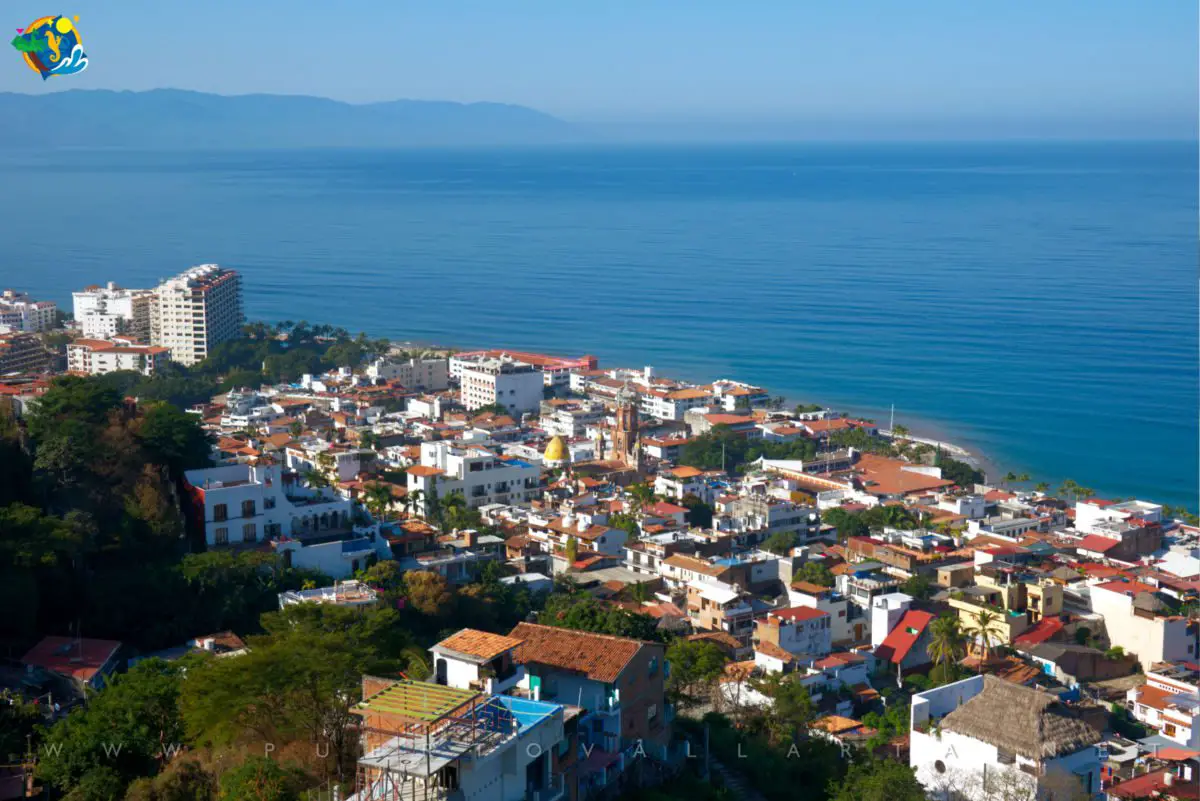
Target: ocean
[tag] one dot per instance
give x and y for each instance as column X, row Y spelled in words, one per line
column 1036, row 302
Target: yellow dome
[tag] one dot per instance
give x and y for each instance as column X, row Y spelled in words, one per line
column 556, row 451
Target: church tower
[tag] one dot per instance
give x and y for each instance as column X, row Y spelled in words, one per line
column 625, row 436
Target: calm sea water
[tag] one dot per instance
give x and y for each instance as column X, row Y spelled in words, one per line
column 1037, row 302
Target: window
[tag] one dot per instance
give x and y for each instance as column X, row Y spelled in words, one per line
column 221, row 536
column 1169, row 729
column 247, row 508
column 939, row 766
column 269, row 502
column 651, row 713
column 249, row 532
column 220, row 513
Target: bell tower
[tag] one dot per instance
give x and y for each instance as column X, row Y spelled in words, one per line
column 625, row 435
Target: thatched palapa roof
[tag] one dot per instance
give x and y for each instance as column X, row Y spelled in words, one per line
column 1021, row 720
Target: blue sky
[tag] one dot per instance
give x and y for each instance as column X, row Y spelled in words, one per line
column 1094, row 64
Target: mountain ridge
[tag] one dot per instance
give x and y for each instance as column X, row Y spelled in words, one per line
column 171, row 118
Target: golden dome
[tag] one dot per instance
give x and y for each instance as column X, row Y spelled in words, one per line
column 556, row 451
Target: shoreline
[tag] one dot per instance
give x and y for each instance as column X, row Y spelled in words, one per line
column 923, row 431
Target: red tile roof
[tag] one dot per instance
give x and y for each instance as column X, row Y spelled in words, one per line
column 598, row 656
column 79, row 659
column 1126, row 587
column 1043, row 630
column 1097, row 544
column 899, row 641
column 480, row 644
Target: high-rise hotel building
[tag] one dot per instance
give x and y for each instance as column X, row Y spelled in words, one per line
column 195, row 311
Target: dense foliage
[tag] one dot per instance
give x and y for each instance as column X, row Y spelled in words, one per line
column 722, row 446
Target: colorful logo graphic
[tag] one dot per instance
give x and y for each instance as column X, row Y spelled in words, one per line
column 52, row 46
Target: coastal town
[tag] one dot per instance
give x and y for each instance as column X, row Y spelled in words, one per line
column 600, row 581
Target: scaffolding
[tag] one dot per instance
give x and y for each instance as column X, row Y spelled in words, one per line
column 416, row 736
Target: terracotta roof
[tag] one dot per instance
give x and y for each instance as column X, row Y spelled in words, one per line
column 774, row 651
column 664, row 509
column 718, row 637
column 79, row 659
column 685, row 472
column 1126, row 587
column 599, row 656
column 899, row 640
column 808, row 588
column 836, row 724
column 1097, row 544
column 481, row 644
column 685, row 562
column 1043, row 630
column 425, row 470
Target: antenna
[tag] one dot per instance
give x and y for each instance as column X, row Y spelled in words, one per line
column 892, row 424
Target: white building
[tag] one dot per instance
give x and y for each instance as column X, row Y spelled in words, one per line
column 350, row 594
column 518, row 387
column 1134, row 625
column 801, row 630
column 19, row 312
column 102, row 312
column 832, row 603
column 98, row 356
column 482, row 476
column 195, row 311
column 428, row 375
column 984, row 738
column 243, row 503
column 1170, row 702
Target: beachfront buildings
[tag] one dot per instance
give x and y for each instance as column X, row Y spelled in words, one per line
column 99, row 356
column 427, row 375
column 480, row 474
column 195, row 311
column 511, row 384
column 19, row 312
column 103, row 312
column 985, row 738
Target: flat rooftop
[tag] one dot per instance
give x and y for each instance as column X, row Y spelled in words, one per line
column 418, row 700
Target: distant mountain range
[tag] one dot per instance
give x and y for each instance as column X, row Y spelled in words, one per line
column 171, row 118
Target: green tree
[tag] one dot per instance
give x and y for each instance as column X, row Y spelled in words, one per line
column 700, row 514
column 124, row 728
column 781, row 542
column 627, row 523
column 262, row 779
column 428, row 593
column 695, row 667
column 173, row 438
column 878, row 780
column 182, row 779
column 918, row 586
column 642, row 495
column 816, row 573
column 792, row 708
column 959, row 472
column 985, row 628
column 378, row 499
column 947, row 643
column 571, row 550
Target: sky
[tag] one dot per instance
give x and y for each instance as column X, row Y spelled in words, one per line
column 1121, row 67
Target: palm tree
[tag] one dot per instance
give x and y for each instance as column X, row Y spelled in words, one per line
column 1042, row 487
column 1008, row 477
column 947, row 643
column 414, row 503
column 900, row 431
column 985, row 629
column 1023, row 478
column 378, row 497
column 1068, row 488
